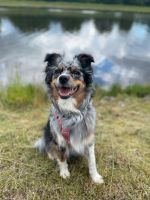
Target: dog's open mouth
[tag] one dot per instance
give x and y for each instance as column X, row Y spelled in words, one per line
column 66, row 92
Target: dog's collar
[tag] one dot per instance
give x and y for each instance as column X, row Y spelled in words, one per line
column 64, row 131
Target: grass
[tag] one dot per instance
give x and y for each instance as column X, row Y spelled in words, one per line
column 132, row 90
column 122, row 151
column 73, row 6
column 18, row 95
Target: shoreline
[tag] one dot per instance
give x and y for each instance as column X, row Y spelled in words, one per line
column 74, row 6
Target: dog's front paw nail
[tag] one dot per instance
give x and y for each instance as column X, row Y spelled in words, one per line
column 97, row 178
column 65, row 174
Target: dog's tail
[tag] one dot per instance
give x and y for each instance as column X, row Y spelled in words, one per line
column 40, row 145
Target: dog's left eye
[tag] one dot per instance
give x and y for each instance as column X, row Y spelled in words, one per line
column 76, row 74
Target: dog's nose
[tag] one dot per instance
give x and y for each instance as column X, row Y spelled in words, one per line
column 63, row 79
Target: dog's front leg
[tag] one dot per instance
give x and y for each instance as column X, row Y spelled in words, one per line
column 96, row 177
column 62, row 163
column 63, row 166
column 58, row 153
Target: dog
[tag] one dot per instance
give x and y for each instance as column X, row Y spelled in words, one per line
column 70, row 127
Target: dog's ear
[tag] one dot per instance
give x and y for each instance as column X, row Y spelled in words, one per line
column 85, row 61
column 52, row 58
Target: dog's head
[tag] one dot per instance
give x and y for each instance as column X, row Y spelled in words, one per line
column 68, row 79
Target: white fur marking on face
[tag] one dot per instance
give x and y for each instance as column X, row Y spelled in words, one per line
column 68, row 104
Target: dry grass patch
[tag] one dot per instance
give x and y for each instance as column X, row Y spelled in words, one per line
column 122, row 151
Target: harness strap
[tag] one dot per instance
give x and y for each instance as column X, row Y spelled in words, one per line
column 64, row 131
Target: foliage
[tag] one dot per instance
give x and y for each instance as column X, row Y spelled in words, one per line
column 138, row 90
column 125, row 2
column 20, row 95
column 132, row 90
column 75, row 5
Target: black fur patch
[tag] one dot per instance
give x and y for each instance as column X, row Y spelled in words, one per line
column 48, row 136
column 51, row 60
column 86, row 60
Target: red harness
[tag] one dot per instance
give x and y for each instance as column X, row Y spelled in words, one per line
column 64, row 131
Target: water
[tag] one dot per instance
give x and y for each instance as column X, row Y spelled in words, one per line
column 120, row 43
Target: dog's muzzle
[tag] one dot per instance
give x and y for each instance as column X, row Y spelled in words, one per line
column 63, row 79
column 64, row 88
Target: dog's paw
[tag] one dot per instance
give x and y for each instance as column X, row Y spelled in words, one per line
column 65, row 173
column 97, row 178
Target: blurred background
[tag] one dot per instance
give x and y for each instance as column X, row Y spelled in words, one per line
column 116, row 34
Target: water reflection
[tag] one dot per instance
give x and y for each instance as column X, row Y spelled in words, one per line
column 119, row 44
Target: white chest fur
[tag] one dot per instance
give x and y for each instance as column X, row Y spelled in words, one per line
column 68, row 104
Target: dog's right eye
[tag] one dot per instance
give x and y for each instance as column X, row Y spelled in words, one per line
column 57, row 72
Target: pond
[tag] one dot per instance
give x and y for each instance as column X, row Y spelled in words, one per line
column 119, row 43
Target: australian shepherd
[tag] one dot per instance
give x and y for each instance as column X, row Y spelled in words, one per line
column 71, row 123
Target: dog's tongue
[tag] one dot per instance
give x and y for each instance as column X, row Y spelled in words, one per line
column 65, row 91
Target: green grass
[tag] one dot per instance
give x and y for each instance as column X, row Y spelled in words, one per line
column 76, row 6
column 122, row 150
column 18, row 95
column 132, row 90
